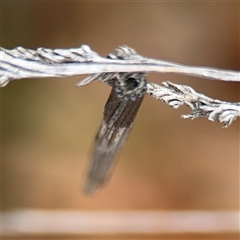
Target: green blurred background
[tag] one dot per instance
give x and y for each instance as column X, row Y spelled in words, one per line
column 49, row 125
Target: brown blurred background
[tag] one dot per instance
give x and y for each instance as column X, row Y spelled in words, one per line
column 168, row 163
